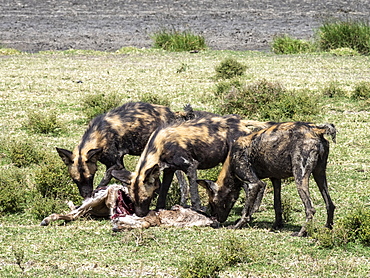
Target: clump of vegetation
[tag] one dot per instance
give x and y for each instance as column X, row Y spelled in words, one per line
column 44, row 123
column 9, row 51
column 287, row 45
column 230, row 68
column 265, row 100
column 24, row 153
column 52, row 181
column 178, row 41
column 333, row 89
column 345, row 34
column 354, row 227
column 344, row 51
column 96, row 104
column 13, row 191
column 362, row 91
column 155, row 99
column 231, row 251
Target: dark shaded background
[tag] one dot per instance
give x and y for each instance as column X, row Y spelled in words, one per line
column 34, row 25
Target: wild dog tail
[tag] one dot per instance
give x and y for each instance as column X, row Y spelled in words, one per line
column 329, row 129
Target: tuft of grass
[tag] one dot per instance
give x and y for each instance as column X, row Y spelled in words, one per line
column 362, row 91
column 285, row 44
column 44, row 123
column 96, row 104
column 24, row 153
column 344, row 51
column 155, row 99
column 9, row 51
column 333, row 89
column 230, row 68
column 13, row 191
column 266, row 100
column 178, row 41
column 345, row 34
column 230, row 251
column 354, row 227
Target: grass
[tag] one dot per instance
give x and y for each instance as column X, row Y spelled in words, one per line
column 87, row 248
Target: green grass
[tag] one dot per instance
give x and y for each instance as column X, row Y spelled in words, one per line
column 88, row 248
column 345, row 34
column 172, row 40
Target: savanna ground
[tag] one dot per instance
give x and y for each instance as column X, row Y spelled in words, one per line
column 59, row 81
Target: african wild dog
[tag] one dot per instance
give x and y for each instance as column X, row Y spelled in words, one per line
column 292, row 149
column 109, row 137
column 200, row 143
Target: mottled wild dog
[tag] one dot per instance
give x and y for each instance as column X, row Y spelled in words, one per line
column 292, row 149
column 201, row 143
column 109, row 137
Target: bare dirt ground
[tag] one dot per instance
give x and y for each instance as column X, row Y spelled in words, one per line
column 34, row 25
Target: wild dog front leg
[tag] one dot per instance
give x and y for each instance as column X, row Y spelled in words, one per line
column 194, row 193
column 252, row 191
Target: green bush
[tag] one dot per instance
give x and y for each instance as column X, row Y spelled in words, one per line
column 266, row 101
column 52, row 181
column 333, row 89
column 362, row 91
column 230, row 68
column 178, row 41
column 13, row 191
column 44, row 123
column 41, row 207
column 345, row 34
column 287, row 45
column 354, row 227
column 96, row 104
column 344, row 51
column 24, row 153
column 231, row 251
column 155, row 99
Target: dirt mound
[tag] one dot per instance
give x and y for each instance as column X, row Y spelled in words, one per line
column 33, row 25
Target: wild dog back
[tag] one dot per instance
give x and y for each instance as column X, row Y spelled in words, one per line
column 293, row 149
column 123, row 130
column 197, row 144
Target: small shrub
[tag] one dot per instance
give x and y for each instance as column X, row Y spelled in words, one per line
column 344, row 51
column 266, row 100
column 231, row 251
column 178, row 41
column 52, row 181
column 96, row 104
column 13, row 191
column 354, row 227
column 287, row 45
column 362, row 91
column 333, row 90
column 287, row 207
column 24, row 153
column 230, row 68
column 345, row 34
column 155, row 99
column 44, row 123
column 40, row 207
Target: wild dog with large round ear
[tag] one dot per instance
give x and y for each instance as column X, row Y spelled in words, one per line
column 293, row 149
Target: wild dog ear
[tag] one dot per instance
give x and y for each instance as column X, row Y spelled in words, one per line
column 152, row 175
column 94, row 155
column 65, row 155
column 122, row 175
column 210, row 186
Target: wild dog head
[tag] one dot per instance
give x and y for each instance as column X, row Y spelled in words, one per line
column 222, row 194
column 82, row 168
